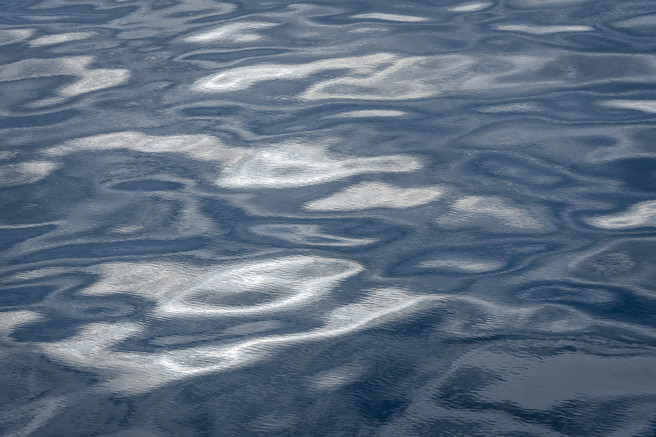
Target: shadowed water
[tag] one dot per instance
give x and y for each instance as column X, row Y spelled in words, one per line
column 328, row 218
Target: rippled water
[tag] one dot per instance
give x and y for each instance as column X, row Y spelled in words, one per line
column 328, row 218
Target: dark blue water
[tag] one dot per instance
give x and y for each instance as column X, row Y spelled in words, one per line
column 420, row 218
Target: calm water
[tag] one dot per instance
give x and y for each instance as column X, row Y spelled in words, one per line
column 420, row 218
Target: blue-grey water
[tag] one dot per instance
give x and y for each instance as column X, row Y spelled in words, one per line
column 373, row 218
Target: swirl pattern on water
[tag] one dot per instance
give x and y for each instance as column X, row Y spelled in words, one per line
column 275, row 218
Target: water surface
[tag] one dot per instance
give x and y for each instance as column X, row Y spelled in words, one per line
column 328, row 218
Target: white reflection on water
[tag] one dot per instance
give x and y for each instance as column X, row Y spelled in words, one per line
column 25, row 172
column 336, row 378
column 285, row 165
column 201, row 147
column 247, row 288
column 258, row 287
column 12, row 36
column 367, row 195
column 308, row 234
column 471, row 7
column 89, row 79
column 377, row 306
column 11, row 320
column 241, row 78
column 465, row 265
column 481, row 210
column 365, row 113
column 542, row 30
column 648, row 106
column 639, row 215
column 521, row 108
column 240, row 32
column 137, row 372
column 389, row 76
column 60, row 38
column 390, row 17
column 294, row 164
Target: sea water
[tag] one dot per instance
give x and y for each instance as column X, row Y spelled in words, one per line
column 373, row 218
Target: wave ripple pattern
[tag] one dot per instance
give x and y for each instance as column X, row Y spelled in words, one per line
column 367, row 218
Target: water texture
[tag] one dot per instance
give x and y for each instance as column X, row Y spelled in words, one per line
column 420, row 218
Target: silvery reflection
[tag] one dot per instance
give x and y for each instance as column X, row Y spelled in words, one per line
column 480, row 210
column 240, row 32
column 648, row 106
column 638, row 215
column 388, row 76
column 471, row 7
column 11, row 36
column 60, row 38
column 295, row 164
column 202, row 147
column 256, row 288
column 463, row 265
column 136, row 372
column 89, row 79
column 369, row 113
column 390, row 17
column 369, row 195
column 25, row 172
column 285, row 165
column 542, row 30
column 308, row 235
